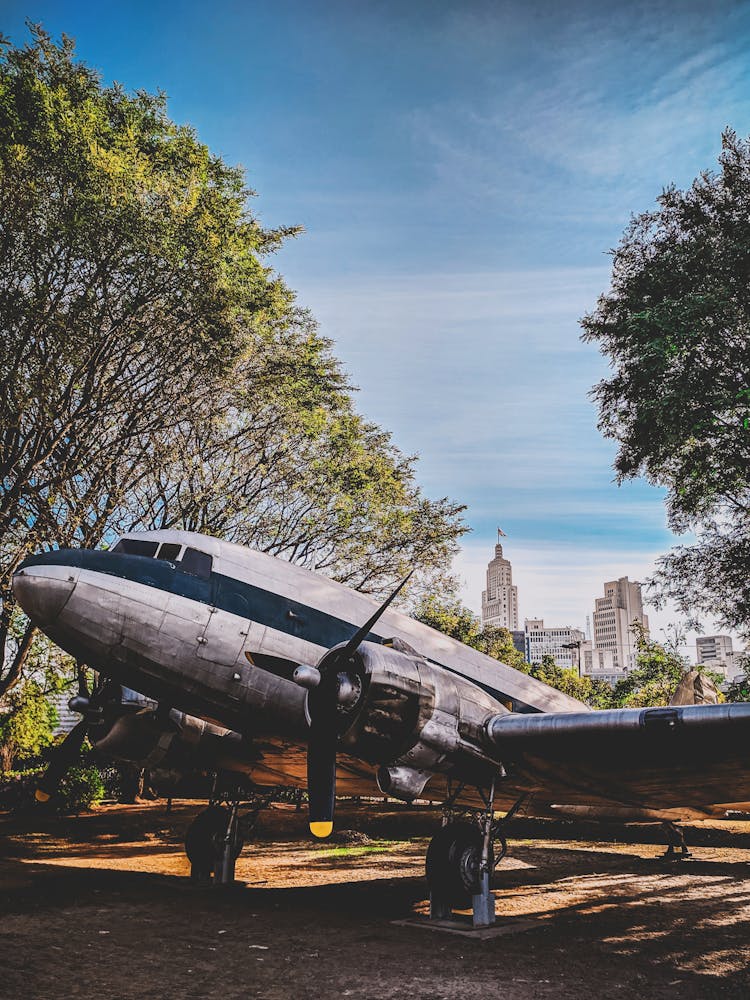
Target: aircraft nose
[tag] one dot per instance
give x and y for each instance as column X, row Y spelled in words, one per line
column 42, row 590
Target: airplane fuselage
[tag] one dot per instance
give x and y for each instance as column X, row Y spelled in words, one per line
column 216, row 631
column 220, row 637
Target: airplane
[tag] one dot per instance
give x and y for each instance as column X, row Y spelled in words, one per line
column 250, row 665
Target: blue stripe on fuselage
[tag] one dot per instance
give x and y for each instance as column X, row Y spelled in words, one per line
column 229, row 594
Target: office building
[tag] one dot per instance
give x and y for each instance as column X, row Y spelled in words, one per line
column 716, row 653
column 614, row 616
column 541, row 641
column 600, row 664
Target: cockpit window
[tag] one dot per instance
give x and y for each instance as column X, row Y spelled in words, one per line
column 136, row 547
column 197, row 563
column 169, row 551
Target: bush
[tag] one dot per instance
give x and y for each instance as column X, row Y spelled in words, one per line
column 17, row 788
column 81, row 788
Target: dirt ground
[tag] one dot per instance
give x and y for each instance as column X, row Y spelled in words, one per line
column 100, row 906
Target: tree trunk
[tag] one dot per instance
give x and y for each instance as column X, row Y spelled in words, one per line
column 14, row 671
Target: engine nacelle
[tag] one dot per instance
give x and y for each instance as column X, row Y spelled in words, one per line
column 412, row 717
column 175, row 741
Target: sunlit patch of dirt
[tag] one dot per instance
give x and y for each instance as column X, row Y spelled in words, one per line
column 101, row 906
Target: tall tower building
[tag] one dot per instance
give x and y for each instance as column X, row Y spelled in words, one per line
column 613, row 616
column 500, row 599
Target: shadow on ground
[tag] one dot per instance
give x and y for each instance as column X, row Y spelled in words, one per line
column 600, row 919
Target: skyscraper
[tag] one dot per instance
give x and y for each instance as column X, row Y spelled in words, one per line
column 500, row 599
column 614, row 615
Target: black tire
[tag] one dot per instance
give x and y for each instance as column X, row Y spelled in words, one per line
column 453, row 861
column 204, row 841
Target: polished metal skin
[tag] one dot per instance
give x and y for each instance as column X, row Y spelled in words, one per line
column 231, row 643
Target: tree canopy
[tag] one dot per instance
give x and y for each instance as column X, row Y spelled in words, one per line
column 675, row 328
column 155, row 371
column 446, row 613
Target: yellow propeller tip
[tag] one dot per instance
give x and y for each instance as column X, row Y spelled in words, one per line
column 41, row 796
column 321, row 830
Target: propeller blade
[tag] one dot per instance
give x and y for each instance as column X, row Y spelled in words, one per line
column 321, row 779
column 361, row 634
column 326, row 693
column 62, row 758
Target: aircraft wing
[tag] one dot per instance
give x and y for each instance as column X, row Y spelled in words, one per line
column 691, row 760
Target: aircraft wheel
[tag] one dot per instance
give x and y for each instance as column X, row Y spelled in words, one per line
column 204, row 841
column 453, row 861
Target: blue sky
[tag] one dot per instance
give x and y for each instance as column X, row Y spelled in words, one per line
column 461, row 170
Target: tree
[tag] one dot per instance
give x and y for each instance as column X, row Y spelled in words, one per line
column 448, row 615
column 154, row 371
column 739, row 689
column 675, row 328
column 131, row 273
column 591, row 691
column 27, row 713
column 658, row 672
column 279, row 460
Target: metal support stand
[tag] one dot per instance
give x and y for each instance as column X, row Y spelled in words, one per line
column 439, row 908
column 675, row 840
column 483, row 902
column 224, row 874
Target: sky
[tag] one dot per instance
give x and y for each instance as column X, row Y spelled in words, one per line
column 461, row 171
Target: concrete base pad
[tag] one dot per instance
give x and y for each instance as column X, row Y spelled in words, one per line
column 464, row 928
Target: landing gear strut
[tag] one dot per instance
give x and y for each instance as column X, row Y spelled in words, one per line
column 213, row 843
column 675, row 841
column 217, row 835
column 460, row 863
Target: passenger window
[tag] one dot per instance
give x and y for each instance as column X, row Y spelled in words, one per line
column 136, row 547
column 169, row 551
column 197, row 563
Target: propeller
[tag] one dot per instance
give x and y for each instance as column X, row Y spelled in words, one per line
column 90, row 706
column 63, row 757
column 334, row 688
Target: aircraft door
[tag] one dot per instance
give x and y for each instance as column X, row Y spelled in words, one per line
column 224, row 638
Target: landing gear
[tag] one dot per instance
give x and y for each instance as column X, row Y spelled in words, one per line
column 460, row 862
column 677, row 849
column 217, row 835
column 454, row 860
column 213, row 842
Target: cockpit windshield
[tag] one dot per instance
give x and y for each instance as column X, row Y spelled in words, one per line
column 136, row 547
column 197, row 563
column 169, row 551
column 189, row 560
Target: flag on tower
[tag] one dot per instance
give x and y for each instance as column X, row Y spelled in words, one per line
column 501, row 533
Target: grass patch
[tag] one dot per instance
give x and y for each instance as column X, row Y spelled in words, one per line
column 357, row 850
